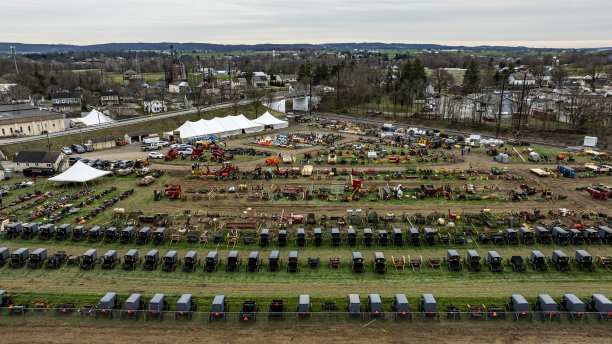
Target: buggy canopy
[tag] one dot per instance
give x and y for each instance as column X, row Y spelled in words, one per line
column 79, row 173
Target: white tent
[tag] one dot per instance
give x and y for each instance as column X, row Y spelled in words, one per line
column 268, row 120
column 95, row 117
column 79, row 173
column 246, row 125
column 218, row 126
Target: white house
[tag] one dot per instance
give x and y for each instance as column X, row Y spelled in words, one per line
column 516, row 79
column 154, row 106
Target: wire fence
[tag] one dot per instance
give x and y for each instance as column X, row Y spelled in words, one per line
column 91, row 316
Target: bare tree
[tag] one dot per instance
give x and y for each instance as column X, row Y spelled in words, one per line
column 441, row 79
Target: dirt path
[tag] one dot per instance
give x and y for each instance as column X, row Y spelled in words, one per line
column 415, row 333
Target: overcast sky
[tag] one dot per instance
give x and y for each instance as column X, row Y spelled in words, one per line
column 537, row 23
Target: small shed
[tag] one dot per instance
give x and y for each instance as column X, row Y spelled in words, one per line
column 138, row 136
column 102, row 142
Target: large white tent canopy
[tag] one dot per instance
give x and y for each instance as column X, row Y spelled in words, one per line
column 79, row 173
column 218, row 127
column 267, row 119
column 95, row 117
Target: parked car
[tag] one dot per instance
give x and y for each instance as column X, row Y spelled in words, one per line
column 150, row 147
column 78, row 149
column 73, row 159
column 66, row 150
column 92, row 162
column 156, row 155
column 163, row 143
column 185, row 151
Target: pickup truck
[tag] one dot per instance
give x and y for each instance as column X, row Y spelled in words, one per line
column 150, row 147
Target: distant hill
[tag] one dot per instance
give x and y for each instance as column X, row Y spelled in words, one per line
column 221, row 48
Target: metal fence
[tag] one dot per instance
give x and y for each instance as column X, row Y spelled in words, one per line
column 75, row 316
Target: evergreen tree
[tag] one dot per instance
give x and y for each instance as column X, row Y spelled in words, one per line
column 471, row 79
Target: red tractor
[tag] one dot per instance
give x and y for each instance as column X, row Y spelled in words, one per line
column 173, row 191
column 172, row 154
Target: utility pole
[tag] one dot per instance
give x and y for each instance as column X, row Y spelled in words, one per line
column 14, row 59
column 518, row 129
column 501, row 103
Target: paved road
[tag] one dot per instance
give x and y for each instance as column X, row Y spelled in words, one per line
column 139, row 120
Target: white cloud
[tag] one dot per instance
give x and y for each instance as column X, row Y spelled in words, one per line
column 308, row 21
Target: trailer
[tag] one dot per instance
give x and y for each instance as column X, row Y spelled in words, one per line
column 573, row 306
column 293, row 263
column 374, row 306
column 453, row 260
column 538, row 261
column 94, row 234
column 274, row 261
column 601, row 305
column 401, row 307
column 335, row 237
column 127, row 234
column 130, row 259
column 576, row 237
column 107, row 305
column 415, row 236
column 379, row 264
column 351, row 237
column 473, row 261
column 543, row 235
column 133, row 306
column 264, row 237
column 12, row 230
column 143, row 235
column 368, row 237
column 547, row 307
column 37, row 258
column 46, row 231
column 277, row 309
column 511, row 236
column 282, row 238
column 185, row 307
column 63, row 232
column 157, row 307
column 88, row 259
column 219, row 308
column 30, row 230
column 519, row 306
column 169, row 261
column 429, row 306
column 353, row 306
column 212, row 261
column 561, row 260
column 78, row 234
column 585, row 261
column 4, row 255
column 527, row 236
column 300, row 239
column 605, row 234
column 159, row 236
column 304, row 307
column 151, row 259
column 109, row 259
column 233, row 261
column 111, row 235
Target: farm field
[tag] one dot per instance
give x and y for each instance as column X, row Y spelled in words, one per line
column 207, row 209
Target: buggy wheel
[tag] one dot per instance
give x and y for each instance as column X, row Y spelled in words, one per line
column 161, row 317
